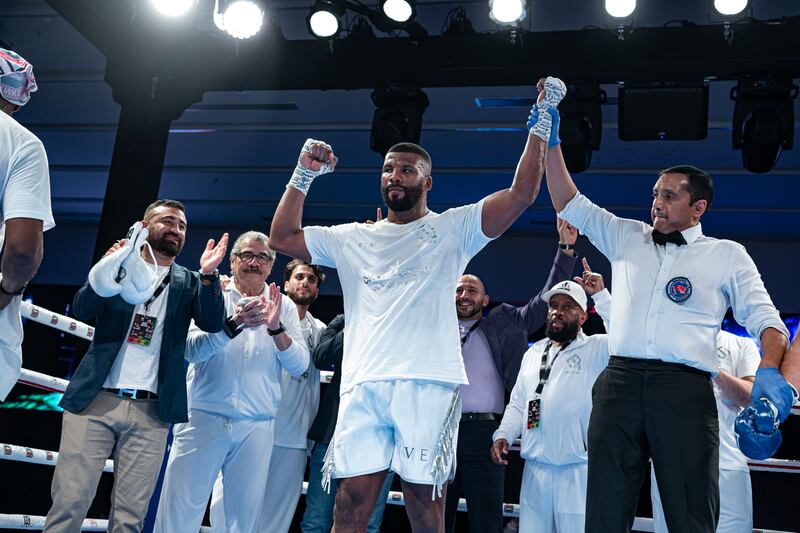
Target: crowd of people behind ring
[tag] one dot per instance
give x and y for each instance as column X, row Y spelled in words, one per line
column 432, row 390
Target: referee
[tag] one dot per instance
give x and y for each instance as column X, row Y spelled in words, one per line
column 672, row 287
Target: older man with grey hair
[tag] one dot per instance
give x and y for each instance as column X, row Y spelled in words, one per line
column 233, row 398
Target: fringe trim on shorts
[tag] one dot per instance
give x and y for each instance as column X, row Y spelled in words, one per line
column 328, row 468
column 443, row 451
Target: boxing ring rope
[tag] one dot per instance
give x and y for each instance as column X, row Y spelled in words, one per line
column 12, row 452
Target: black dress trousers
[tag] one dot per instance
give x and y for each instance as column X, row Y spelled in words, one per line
column 646, row 408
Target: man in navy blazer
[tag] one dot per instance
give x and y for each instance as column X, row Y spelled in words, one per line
column 131, row 384
column 492, row 348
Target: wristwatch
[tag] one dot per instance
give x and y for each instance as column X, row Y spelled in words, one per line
column 19, row 292
column 565, row 246
column 209, row 277
column 231, row 328
column 273, row 332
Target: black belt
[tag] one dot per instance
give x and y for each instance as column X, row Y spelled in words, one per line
column 470, row 417
column 653, row 364
column 133, row 394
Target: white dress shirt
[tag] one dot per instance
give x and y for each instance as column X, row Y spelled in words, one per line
column 669, row 300
column 737, row 356
column 241, row 377
column 566, row 401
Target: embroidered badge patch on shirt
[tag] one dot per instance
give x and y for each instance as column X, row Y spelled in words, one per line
column 679, row 289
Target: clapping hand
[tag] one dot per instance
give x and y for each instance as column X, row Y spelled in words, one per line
column 213, row 255
column 250, row 312
column 272, row 313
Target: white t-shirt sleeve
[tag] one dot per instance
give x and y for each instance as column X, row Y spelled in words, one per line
column 467, row 221
column 748, row 358
column 324, row 243
column 27, row 192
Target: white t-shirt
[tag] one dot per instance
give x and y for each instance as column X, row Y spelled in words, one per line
column 24, row 176
column 739, row 357
column 299, row 394
column 398, row 282
column 136, row 366
column 24, row 193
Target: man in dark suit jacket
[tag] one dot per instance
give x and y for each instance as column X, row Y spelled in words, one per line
column 492, row 348
column 131, row 384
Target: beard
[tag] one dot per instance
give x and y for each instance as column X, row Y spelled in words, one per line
column 301, row 300
column 567, row 333
column 476, row 308
column 166, row 247
column 408, row 201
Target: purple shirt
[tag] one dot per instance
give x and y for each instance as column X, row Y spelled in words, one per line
column 485, row 392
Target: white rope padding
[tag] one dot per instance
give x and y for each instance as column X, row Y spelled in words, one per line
column 42, row 381
column 13, row 452
column 24, row 521
column 23, row 454
column 54, row 320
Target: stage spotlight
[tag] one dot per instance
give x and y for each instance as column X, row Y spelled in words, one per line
column 457, row 23
column 581, row 124
column 763, row 121
column 241, row 19
column 620, row 8
column 398, row 115
column 729, row 8
column 323, row 21
column 173, row 8
column 507, row 11
column 398, row 10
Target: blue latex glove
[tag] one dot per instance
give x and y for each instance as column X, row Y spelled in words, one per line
column 554, row 138
column 770, row 384
column 756, row 429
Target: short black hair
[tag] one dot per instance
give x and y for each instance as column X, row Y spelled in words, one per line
column 411, row 148
column 700, row 185
column 164, row 202
column 294, row 263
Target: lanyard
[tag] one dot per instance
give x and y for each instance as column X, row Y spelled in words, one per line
column 544, row 370
column 472, row 328
column 157, row 293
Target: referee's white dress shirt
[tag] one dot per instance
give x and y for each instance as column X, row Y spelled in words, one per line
column 669, row 300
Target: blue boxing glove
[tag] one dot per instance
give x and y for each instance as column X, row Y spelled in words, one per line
column 555, row 140
column 756, row 429
column 771, row 384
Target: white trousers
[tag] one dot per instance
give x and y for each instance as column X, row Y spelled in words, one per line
column 206, row 446
column 553, row 498
column 10, row 345
column 735, row 503
column 282, row 488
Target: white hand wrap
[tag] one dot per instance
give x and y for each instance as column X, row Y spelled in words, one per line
column 302, row 176
column 554, row 92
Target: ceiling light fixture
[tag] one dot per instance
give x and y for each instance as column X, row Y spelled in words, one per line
column 508, row 12
column 241, row 19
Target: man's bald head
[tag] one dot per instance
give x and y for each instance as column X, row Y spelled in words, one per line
column 471, row 297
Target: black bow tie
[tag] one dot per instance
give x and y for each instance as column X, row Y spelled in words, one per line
column 663, row 238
